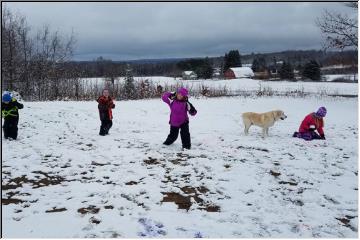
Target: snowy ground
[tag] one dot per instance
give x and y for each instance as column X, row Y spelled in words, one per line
column 246, row 84
column 61, row 179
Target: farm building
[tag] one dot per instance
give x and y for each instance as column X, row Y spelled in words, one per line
column 189, row 75
column 239, row 72
column 262, row 75
column 216, row 73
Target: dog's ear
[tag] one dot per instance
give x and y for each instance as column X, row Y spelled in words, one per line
column 277, row 114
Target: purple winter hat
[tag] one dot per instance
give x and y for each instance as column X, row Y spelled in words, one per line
column 321, row 112
column 183, row 91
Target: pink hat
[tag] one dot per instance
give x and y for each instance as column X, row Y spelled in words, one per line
column 183, row 91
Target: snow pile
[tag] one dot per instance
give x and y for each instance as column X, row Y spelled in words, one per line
column 61, row 179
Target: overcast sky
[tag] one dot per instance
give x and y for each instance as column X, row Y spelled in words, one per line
column 123, row 31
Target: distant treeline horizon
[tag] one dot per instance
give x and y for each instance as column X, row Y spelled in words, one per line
column 247, row 56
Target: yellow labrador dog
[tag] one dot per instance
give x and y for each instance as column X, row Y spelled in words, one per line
column 263, row 120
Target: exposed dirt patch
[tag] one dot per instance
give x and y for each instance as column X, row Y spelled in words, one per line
column 183, row 155
column 188, row 190
column 179, row 161
column 15, row 183
column 183, row 202
column 347, row 224
column 213, row 208
column 39, row 182
column 94, row 220
column 275, row 174
column 11, row 201
column 54, row 209
column 151, row 161
column 99, row 164
column 131, row 183
column 253, row 148
column 202, row 189
column 290, row 183
column 90, row 209
column 343, row 220
column 48, row 180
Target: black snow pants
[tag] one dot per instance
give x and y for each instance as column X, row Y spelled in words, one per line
column 105, row 126
column 10, row 127
column 184, row 133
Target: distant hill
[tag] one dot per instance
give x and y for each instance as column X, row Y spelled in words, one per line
column 296, row 57
column 168, row 66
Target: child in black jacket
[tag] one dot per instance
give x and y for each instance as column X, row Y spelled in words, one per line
column 105, row 107
column 9, row 111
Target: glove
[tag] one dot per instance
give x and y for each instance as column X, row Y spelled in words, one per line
column 192, row 109
column 322, row 137
column 173, row 95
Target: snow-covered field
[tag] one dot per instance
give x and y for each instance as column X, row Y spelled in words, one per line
column 61, row 179
column 246, row 84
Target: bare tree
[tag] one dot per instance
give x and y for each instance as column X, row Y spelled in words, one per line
column 340, row 30
column 9, row 48
column 33, row 65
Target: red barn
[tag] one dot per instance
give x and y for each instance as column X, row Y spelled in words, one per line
column 239, row 72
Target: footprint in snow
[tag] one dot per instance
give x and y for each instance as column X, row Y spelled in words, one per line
column 151, row 228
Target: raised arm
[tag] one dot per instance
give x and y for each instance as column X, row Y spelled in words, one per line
column 166, row 97
column 19, row 105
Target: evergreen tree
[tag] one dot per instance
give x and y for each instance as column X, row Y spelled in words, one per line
column 232, row 59
column 205, row 69
column 311, row 71
column 259, row 64
column 286, row 71
column 202, row 67
column 129, row 86
column 255, row 65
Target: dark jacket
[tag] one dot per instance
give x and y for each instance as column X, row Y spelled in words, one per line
column 105, row 106
column 10, row 110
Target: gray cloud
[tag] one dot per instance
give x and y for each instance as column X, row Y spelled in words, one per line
column 156, row 30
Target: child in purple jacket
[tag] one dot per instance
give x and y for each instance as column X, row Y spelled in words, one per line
column 179, row 120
